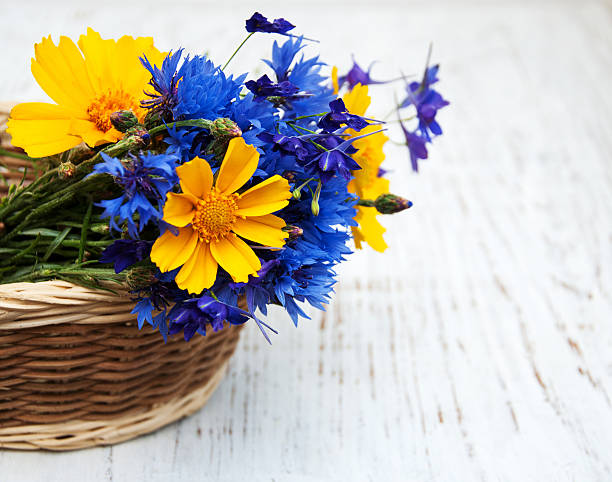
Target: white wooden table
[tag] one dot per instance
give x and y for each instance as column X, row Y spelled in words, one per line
column 480, row 346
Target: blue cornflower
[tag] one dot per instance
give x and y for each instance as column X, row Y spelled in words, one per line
column 156, row 297
column 294, row 145
column 304, row 74
column 339, row 115
column 321, row 154
column 264, row 87
column 164, row 82
column 194, row 315
column 145, row 180
column 259, row 23
column 205, row 92
column 336, row 158
column 427, row 102
column 125, row 252
column 417, row 147
column 303, row 271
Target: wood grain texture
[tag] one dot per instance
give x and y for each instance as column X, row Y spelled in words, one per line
column 480, row 346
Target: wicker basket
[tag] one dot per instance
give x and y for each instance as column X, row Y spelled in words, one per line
column 75, row 371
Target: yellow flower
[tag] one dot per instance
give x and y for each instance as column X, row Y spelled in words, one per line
column 366, row 182
column 87, row 85
column 334, row 76
column 210, row 214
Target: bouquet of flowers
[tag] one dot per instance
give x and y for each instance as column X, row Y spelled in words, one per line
column 209, row 195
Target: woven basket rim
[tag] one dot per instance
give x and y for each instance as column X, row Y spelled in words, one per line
column 34, row 304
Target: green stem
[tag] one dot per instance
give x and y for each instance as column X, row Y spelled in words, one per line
column 84, row 229
column 15, row 155
column 366, row 202
column 316, row 144
column 23, row 253
column 304, row 117
column 67, row 243
column 236, row 51
column 61, row 197
column 301, row 186
column 49, row 184
column 401, row 120
column 203, row 123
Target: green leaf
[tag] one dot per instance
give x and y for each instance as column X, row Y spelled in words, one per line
column 86, row 221
column 55, row 243
column 51, row 233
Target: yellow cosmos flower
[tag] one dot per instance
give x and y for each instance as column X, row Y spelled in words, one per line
column 209, row 216
column 366, row 182
column 87, row 85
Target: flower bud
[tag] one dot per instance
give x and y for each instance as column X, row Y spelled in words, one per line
column 139, row 278
column 152, row 119
column 314, row 207
column 224, row 127
column 293, row 231
column 390, row 203
column 138, row 137
column 101, row 228
column 66, row 170
column 123, row 120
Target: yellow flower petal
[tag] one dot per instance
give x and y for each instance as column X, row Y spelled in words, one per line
column 370, row 230
column 55, row 77
column 170, row 251
column 39, row 111
column 59, row 143
column 41, row 129
column 96, row 51
column 196, row 177
column 264, row 198
column 357, row 100
column 77, row 77
column 179, row 209
column 199, row 272
column 246, row 252
column 266, row 230
column 357, row 237
column 235, row 257
column 91, row 135
column 334, row 76
column 238, row 166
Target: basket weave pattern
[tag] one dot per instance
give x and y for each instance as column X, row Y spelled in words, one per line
column 70, row 355
column 75, row 370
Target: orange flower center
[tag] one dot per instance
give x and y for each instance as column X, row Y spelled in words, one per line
column 215, row 216
column 104, row 105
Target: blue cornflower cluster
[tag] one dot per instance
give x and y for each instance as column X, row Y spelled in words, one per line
column 303, row 133
column 145, row 180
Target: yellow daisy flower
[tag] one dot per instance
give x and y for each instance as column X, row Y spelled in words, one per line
column 366, row 182
column 209, row 216
column 87, row 85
